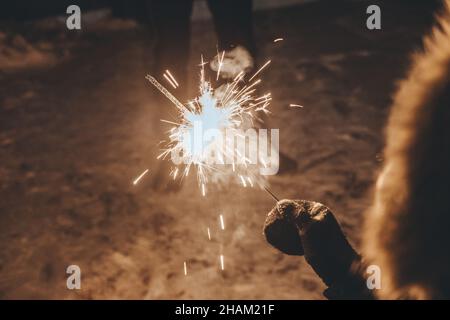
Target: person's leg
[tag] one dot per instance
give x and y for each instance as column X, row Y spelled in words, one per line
column 170, row 23
column 233, row 22
column 131, row 9
column 169, row 20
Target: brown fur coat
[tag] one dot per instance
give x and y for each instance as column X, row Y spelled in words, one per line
column 407, row 232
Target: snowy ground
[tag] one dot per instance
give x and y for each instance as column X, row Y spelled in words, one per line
column 75, row 132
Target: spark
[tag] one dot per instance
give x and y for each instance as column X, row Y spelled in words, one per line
column 243, row 181
column 220, row 61
column 222, row 224
column 209, row 234
column 250, row 181
column 169, row 122
column 278, row 40
column 222, row 264
column 185, row 268
column 172, row 78
column 239, row 75
column 170, row 81
column 136, row 181
column 229, row 110
column 260, row 69
column 293, row 105
column 175, row 173
column 202, row 62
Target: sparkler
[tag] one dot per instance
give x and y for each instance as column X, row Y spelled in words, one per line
column 229, row 109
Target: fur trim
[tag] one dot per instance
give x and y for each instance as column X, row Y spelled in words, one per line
column 407, row 232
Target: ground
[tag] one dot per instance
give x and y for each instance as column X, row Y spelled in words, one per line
column 77, row 128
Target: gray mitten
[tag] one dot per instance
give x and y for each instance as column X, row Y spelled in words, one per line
column 299, row 227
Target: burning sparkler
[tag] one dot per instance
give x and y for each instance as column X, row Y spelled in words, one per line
column 229, row 108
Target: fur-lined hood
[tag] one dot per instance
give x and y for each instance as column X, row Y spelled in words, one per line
column 407, row 232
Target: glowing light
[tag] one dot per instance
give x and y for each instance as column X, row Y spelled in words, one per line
column 278, row 40
column 260, row 69
column 136, row 181
column 250, row 181
column 175, row 173
column 293, row 105
column 185, row 268
column 222, row 224
column 170, row 78
column 222, row 264
column 230, row 108
column 170, row 81
column 209, row 235
column 220, row 60
column 243, row 181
